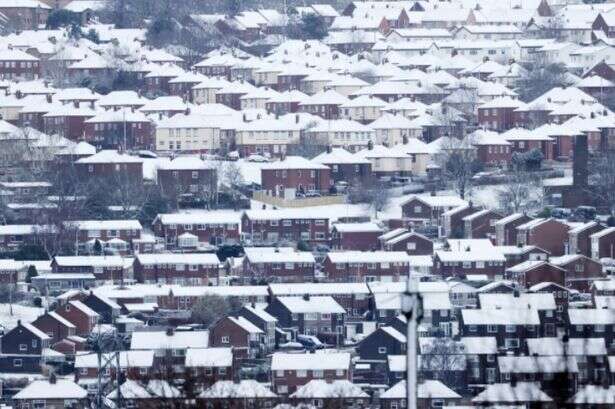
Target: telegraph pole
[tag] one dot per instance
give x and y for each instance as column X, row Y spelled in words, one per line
column 412, row 306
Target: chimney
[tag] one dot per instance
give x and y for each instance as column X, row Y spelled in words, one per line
column 296, row 118
column 516, row 293
column 245, row 118
column 48, row 98
column 306, row 297
column 170, row 331
column 76, row 104
column 52, row 379
column 329, row 149
column 370, row 145
column 264, row 207
column 579, row 161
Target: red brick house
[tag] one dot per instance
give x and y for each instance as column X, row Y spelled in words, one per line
column 581, row 270
column 603, row 244
column 158, row 78
column 413, row 243
column 506, row 228
column 428, row 209
column 68, row 121
column 187, row 175
column 290, row 371
column 208, row 227
column 82, row 316
column 111, row 164
column 355, row 236
column 210, row 365
column 579, row 241
column 469, row 256
column 497, row 114
column 548, row 234
column 491, row 148
column 345, row 167
column 518, row 254
column 291, row 225
column 104, row 268
column 525, row 140
column 481, row 224
column 325, row 104
column 605, row 22
column 452, row 220
column 359, row 266
column 55, row 326
column 238, row 333
column 530, row 273
column 279, row 264
column 111, row 234
column 294, row 176
column 124, row 128
column 26, row 15
column 134, row 365
column 18, row 65
column 175, row 268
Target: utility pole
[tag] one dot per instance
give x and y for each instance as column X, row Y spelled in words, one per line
column 412, row 306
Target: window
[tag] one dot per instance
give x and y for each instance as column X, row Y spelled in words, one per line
column 411, row 246
column 492, row 329
column 511, row 343
column 225, row 340
column 317, row 373
column 17, row 363
column 301, row 373
column 511, row 329
column 23, row 347
column 222, row 371
column 418, row 209
column 279, row 374
column 382, row 350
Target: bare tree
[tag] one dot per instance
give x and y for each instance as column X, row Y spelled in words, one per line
column 522, row 192
column 457, row 159
column 602, row 179
column 210, row 308
column 442, row 358
column 539, row 78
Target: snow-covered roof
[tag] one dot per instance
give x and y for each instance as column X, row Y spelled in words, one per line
column 44, row 389
column 368, row 257
column 94, row 261
column 500, row 317
column 506, row 392
column 520, row 301
column 244, row 389
column 177, row 258
column 165, row 340
column 480, row 345
column 591, row 316
column 321, row 389
column 339, row 156
column 110, row 156
column 427, row 389
column 294, row 162
column 310, row 305
column 553, row 346
column 321, row 361
column 364, row 227
column 128, row 359
column 209, row 357
column 277, row 255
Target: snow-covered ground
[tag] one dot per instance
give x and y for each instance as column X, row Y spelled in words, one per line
column 20, row 312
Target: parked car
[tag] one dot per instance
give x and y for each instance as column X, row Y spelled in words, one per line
column 310, row 341
column 561, row 213
column 257, row 158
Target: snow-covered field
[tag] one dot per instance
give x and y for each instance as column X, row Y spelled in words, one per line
column 20, row 312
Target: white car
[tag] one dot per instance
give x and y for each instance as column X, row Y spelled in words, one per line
column 257, row 158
